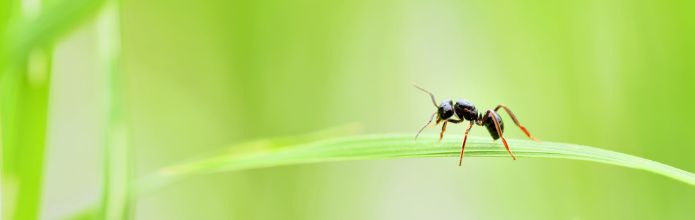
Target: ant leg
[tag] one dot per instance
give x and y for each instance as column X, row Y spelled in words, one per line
column 441, row 134
column 428, row 123
column 463, row 146
column 499, row 131
column 516, row 121
column 455, row 121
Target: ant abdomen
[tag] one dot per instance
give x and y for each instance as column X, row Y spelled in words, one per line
column 490, row 124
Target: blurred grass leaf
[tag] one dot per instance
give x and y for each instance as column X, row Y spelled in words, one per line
column 116, row 202
column 55, row 20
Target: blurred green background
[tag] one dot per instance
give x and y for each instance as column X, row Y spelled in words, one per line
column 200, row 76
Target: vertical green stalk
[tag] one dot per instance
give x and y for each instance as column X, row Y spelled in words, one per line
column 116, row 197
column 25, row 86
column 25, row 94
column 27, row 33
column 4, row 15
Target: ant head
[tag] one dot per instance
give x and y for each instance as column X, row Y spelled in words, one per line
column 445, row 110
column 466, row 110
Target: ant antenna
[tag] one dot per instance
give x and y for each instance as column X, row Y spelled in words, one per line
column 423, row 127
column 431, row 95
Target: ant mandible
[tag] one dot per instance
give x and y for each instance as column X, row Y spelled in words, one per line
column 465, row 110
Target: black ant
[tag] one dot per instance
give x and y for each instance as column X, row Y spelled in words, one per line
column 465, row 110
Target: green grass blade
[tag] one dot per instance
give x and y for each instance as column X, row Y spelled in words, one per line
column 375, row 147
column 319, row 148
